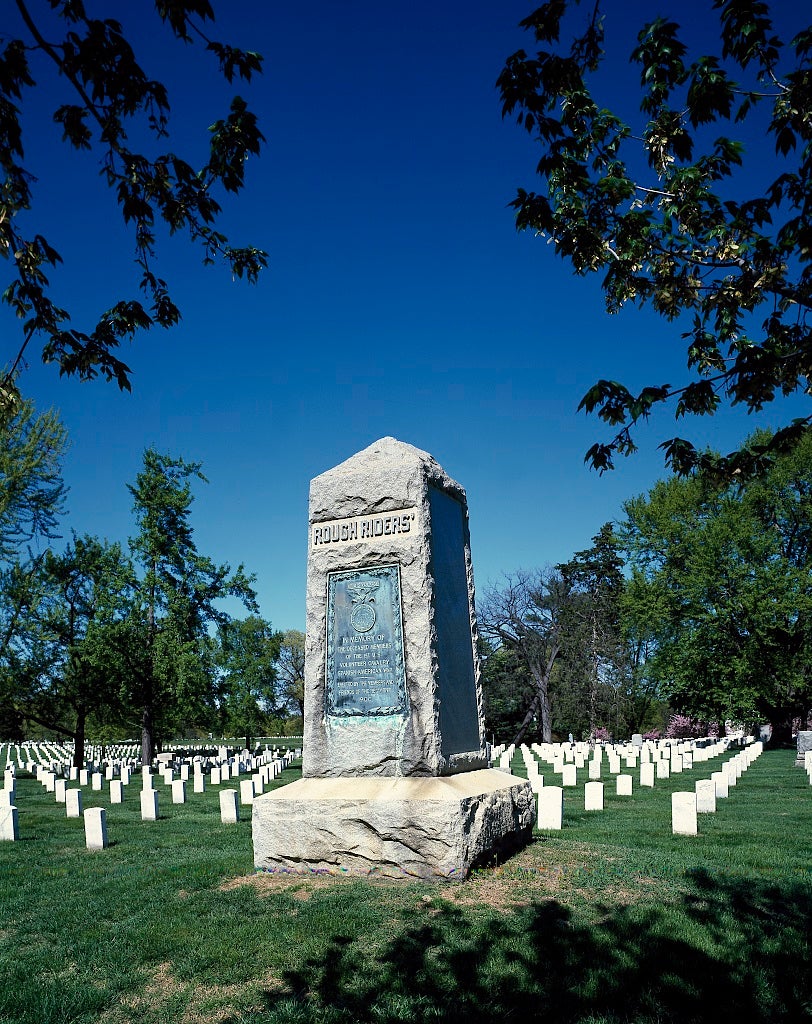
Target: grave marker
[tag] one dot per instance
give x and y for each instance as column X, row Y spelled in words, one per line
column 683, row 814
column 9, row 824
column 705, row 796
column 229, row 808
column 73, row 803
column 149, row 804
column 593, row 796
column 96, row 828
column 550, row 808
column 395, row 778
column 624, row 785
column 720, row 783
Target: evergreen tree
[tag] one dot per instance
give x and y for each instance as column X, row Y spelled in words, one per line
column 172, row 672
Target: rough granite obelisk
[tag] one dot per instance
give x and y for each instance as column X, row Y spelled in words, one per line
column 395, row 778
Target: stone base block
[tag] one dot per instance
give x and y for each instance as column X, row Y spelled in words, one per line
column 400, row 828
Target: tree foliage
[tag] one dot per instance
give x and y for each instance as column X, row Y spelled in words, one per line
column 247, row 656
column 171, row 657
column 32, row 494
column 108, row 100
column 71, row 668
column 32, row 497
column 722, row 586
column 594, row 579
column 662, row 204
column 561, row 655
column 525, row 615
column 291, row 668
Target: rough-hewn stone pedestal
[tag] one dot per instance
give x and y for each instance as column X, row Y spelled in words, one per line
column 411, row 827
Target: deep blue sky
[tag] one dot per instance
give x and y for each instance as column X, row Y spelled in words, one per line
column 400, row 299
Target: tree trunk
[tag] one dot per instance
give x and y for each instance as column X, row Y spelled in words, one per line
column 540, row 704
column 79, row 739
column 528, row 718
column 147, row 739
column 593, row 683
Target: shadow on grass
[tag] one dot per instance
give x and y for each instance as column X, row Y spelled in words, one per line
column 725, row 950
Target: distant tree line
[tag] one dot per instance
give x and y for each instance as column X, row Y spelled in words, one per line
column 699, row 601
column 112, row 640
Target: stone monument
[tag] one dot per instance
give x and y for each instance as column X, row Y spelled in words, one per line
column 803, row 744
column 395, row 778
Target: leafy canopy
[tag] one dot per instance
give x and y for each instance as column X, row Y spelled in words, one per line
column 661, row 205
column 108, row 100
column 720, row 582
column 32, row 494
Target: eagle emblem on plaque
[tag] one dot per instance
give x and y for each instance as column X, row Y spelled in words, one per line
column 363, row 616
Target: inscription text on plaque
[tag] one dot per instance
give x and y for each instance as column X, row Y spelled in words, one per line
column 365, row 666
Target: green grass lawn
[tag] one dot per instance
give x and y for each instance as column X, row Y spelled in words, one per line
column 611, row 919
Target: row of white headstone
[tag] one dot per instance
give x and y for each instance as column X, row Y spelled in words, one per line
column 269, row 765
column 686, row 806
column 655, row 762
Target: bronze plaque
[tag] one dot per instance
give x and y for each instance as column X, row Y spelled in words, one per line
column 365, row 668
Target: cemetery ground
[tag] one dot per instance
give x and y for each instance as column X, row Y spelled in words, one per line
column 613, row 919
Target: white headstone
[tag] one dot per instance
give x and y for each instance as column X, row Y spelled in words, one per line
column 593, row 796
column 149, row 805
column 73, row 803
column 246, row 791
column 569, row 775
column 96, row 828
column 594, row 769
column 683, row 814
column 624, row 785
column 116, row 791
column 720, row 782
column 178, row 791
column 550, row 808
column 96, row 781
column 199, row 782
column 229, row 807
column 706, row 796
column 9, row 824
column 647, row 774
